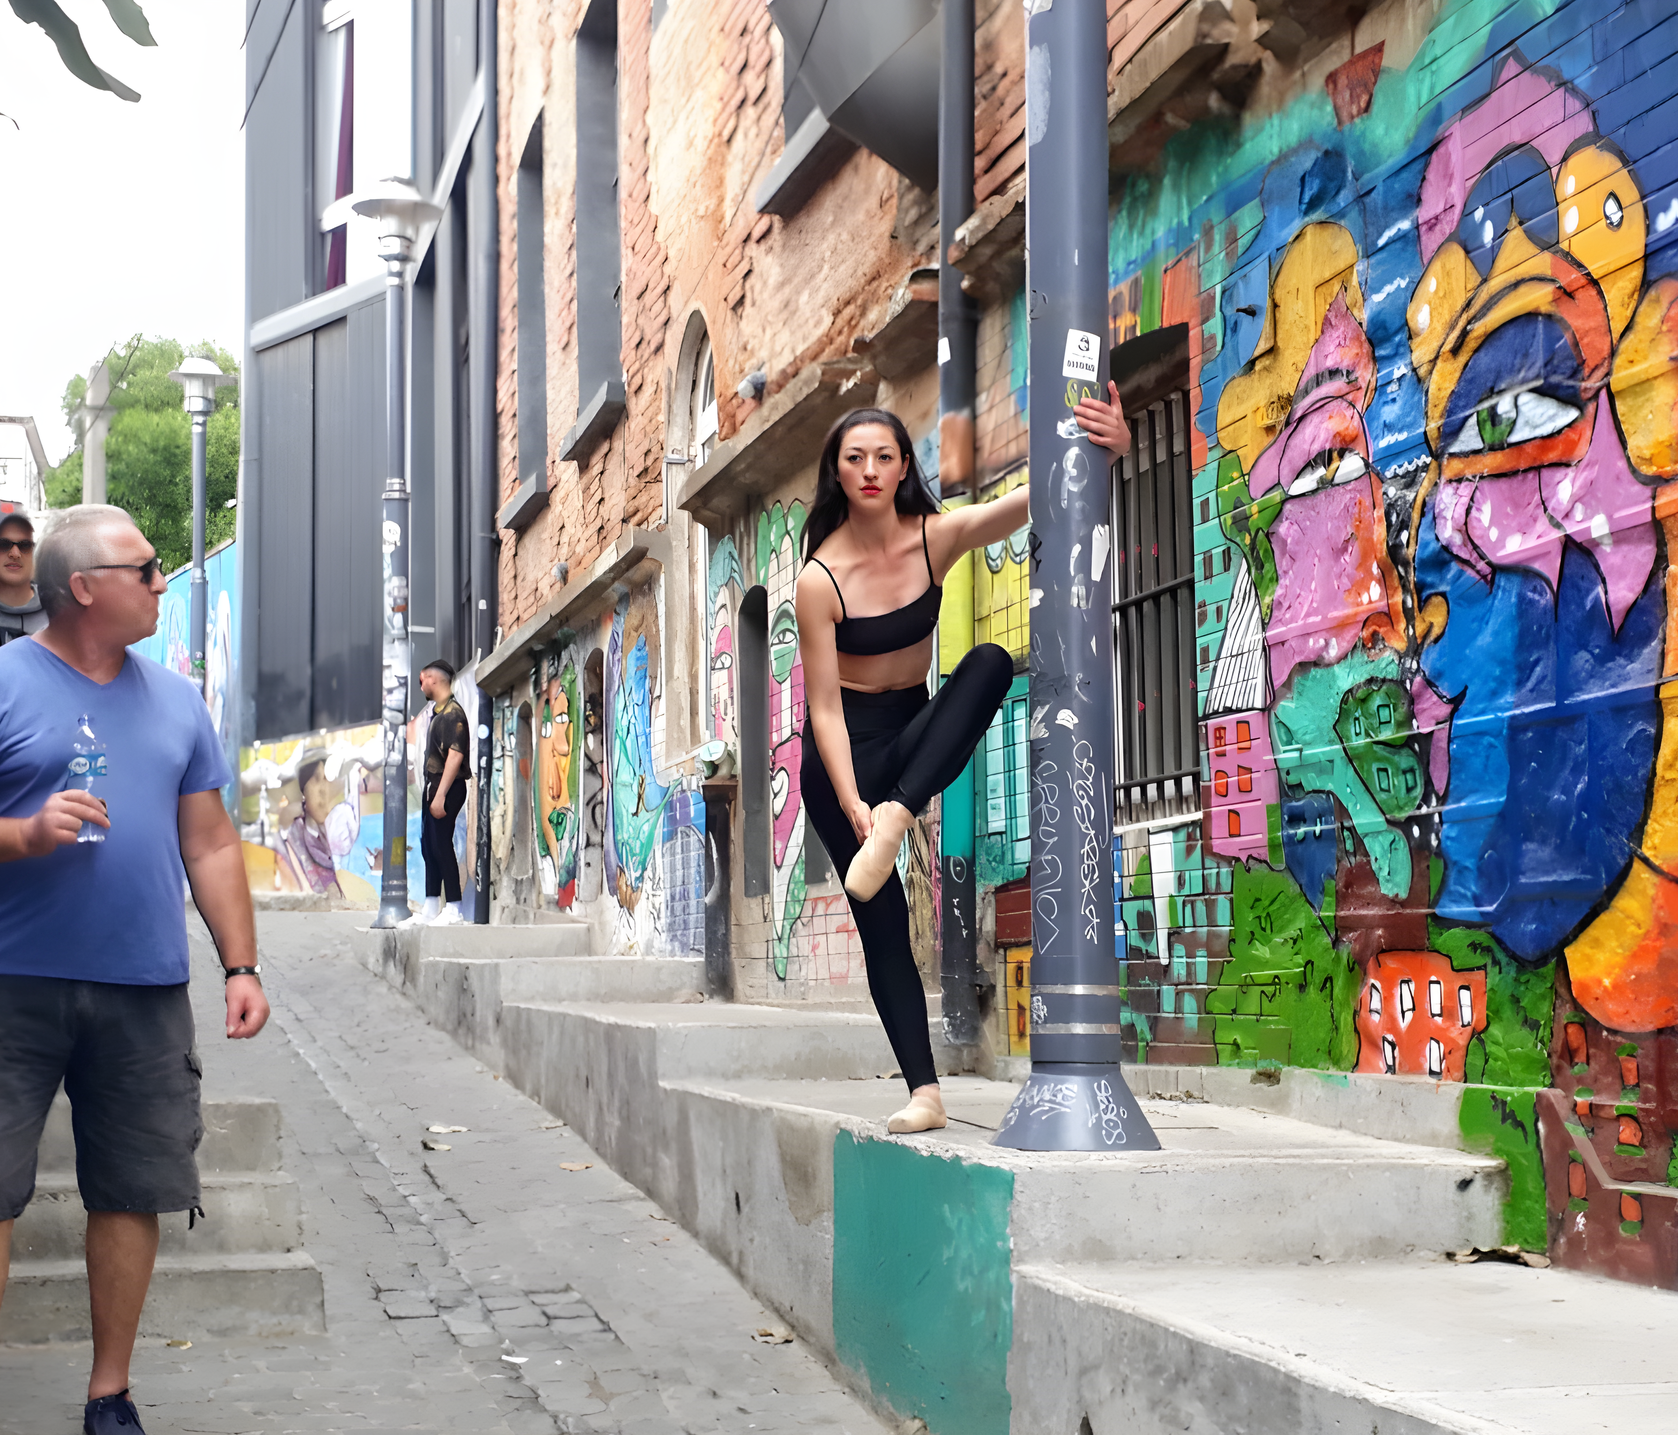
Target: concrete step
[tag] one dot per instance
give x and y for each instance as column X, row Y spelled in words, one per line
column 251, row 1213
column 1229, row 1184
column 1392, row 1348
column 191, row 1298
column 241, row 1134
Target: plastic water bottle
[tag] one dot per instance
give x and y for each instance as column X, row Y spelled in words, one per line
column 86, row 766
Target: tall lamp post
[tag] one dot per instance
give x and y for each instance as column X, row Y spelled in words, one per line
column 1075, row 1098
column 199, row 379
column 400, row 211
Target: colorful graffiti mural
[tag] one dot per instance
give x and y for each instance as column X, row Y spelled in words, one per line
column 312, row 816
column 780, row 530
column 724, row 586
column 613, row 835
column 1434, row 399
column 555, row 786
column 171, row 644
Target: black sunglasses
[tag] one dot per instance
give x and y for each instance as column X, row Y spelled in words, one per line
column 23, row 545
column 147, row 570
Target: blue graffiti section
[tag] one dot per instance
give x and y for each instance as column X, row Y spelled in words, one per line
column 171, row 644
column 1551, row 747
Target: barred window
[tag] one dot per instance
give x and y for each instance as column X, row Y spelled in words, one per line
column 1158, row 768
column 1008, row 779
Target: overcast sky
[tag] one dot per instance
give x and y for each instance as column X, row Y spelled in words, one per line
column 117, row 218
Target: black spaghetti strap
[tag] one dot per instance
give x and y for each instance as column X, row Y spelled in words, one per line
column 843, row 614
column 926, row 554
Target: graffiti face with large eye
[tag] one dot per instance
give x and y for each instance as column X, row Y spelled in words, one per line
column 1513, row 327
column 783, row 642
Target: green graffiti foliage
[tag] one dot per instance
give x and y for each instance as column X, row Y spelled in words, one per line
column 1286, row 995
column 1503, row 1122
column 1514, row 1048
column 1374, row 727
column 1311, row 754
column 1246, row 523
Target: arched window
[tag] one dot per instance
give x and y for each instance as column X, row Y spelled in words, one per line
column 693, row 411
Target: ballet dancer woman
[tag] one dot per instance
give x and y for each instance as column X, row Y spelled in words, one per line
column 876, row 746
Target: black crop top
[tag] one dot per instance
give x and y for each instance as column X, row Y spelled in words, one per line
column 887, row 632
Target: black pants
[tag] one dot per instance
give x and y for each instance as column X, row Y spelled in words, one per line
column 442, row 872
column 905, row 747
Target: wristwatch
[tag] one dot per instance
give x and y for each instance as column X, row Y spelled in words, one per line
column 255, row 971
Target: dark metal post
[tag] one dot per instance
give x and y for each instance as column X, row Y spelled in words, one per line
column 395, row 534
column 483, row 292
column 1076, row 1098
column 397, row 205
column 200, row 611
column 958, row 323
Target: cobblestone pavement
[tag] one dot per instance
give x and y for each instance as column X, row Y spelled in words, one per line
column 480, row 1289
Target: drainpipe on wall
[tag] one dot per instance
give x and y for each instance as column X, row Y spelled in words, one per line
column 483, row 244
column 1076, row 1098
column 958, row 324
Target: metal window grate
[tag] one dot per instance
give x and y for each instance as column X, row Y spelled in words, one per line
column 1007, row 779
column 1158, row 772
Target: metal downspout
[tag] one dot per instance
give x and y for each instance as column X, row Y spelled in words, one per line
column 958, row 323
column 483, row 297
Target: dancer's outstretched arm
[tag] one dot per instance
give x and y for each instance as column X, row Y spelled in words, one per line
column 949, row 535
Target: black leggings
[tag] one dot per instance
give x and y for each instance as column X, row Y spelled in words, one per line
column 442, row 872
column 905, row 747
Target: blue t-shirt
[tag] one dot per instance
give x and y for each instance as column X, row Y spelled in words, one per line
column 110, row 911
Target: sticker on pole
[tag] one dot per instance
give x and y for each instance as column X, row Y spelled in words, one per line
column 1083, row 355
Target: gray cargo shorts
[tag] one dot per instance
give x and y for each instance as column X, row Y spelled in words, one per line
column 126, row 1057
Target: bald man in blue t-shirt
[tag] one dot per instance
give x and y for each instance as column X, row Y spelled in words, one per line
column 93, row 950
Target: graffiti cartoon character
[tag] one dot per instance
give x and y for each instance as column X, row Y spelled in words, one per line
column 637, row 797
column 1530, row 329
column 1347, row 716
column 779, row 530
column 556, row 789
column 726, row 585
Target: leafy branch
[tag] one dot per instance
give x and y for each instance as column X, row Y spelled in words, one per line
column 67, row 35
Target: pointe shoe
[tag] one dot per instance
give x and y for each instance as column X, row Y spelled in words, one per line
column 878, row 855
column 921, row 1114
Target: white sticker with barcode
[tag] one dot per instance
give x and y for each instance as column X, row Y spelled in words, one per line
column 1083, row 355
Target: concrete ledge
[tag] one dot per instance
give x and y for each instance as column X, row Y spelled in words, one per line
column 528, row 499
column 241, row 1134
column 1396, row 1349
column 190, row 1298
column 599, row 416
column 252, row 1214
column 1391, row 1108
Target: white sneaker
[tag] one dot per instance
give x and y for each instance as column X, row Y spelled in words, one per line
column 419, row 919
column 448, row 917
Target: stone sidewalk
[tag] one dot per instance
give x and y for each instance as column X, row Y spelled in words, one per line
column 510, row 1284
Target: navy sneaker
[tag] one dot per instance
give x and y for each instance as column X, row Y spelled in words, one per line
column 110, row 1414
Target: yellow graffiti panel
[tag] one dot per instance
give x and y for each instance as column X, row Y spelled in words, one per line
column 1001, row 605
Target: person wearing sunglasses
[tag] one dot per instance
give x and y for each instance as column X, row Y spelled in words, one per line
column 21, row 612
column 93, row 940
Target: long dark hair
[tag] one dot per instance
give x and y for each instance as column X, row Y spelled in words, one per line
column 831, row 507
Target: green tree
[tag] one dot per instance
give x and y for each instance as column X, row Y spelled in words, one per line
column 148, row 452
column 72, row 50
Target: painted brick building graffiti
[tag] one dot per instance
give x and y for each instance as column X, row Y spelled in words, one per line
column 1392, row 299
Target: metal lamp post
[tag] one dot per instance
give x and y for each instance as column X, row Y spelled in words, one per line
column 400, row 211
column 1076, row 1098
column 199, row 378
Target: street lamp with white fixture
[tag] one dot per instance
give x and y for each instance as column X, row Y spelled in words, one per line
column 199, row 379
column 400, row 211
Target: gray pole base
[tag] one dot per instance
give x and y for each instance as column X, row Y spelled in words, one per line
column 1067, row 1107
column 391, row 914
